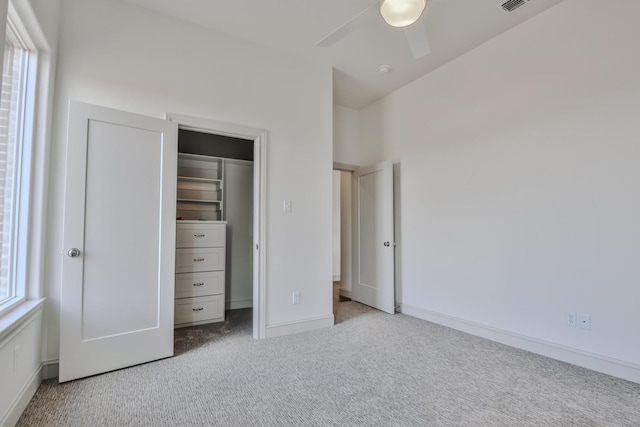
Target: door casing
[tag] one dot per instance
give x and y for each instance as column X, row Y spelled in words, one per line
column 259, row 138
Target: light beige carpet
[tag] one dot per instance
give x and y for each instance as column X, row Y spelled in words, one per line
column 371, row 369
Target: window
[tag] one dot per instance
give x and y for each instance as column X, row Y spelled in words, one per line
column 13, row 104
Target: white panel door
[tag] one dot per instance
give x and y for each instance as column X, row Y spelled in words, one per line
column 117, row 302
column 374, row 277
column 238, row 207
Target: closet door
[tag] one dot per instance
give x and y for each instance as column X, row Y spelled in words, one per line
column 117, row 305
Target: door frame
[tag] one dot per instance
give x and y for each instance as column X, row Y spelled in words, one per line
column 259, row 138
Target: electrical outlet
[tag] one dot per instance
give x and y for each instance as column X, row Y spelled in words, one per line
column 584, row 321
column 287, row 206
column 572, row 320
column 296, row 298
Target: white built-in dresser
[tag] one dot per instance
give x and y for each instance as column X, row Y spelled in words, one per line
column 200, row 241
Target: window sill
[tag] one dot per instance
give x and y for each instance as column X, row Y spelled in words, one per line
column 15, row 319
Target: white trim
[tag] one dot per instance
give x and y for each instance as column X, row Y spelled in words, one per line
column 199, row 124
column 22, row 399
column 259, row 137
column 50, row 369
column 260, row 242
column 288, row 328
column 346, row 294
column 39, row 172
column 596, row 362
column 344, row 167
column 238, row 162
column 16, row 320
column 28, row 23
column 37, row 124
column 235, row 305
column 336, row 278
column 11, row 325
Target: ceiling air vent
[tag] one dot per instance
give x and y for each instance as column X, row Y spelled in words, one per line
column 511, row 5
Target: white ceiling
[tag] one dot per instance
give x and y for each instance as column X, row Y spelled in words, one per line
column 295, row 26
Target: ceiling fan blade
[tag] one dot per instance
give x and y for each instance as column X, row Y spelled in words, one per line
column 339, row 33
column 417, row 37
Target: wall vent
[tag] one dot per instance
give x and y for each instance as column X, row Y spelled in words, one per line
column 511, row 5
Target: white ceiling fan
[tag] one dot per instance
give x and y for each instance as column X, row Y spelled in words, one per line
column 407, row 14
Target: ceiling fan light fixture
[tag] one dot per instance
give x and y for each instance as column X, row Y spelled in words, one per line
column 401, row 13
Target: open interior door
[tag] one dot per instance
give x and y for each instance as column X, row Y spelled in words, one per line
column 117, row 302
column 374, row 264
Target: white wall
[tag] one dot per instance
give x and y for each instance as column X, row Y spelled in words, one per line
column 48, row 13
column 519, row 183
column 346, row 136
column 20, row 367
column 121, row 56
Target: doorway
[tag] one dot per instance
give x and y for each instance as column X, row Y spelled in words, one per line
column 235, row 196
column 342, row 237
column 258, row 137
column 365, row 257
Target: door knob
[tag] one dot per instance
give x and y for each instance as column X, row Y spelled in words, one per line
column 387, row 244
column 73, row 252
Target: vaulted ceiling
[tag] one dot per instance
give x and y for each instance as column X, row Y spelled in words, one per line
column 453, row 28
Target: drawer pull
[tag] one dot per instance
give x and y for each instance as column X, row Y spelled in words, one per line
column 198, row 259
column 198, row 235
column 199, row 284
column 198, row 309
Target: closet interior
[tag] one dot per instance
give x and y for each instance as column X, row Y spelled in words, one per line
column 214, row 227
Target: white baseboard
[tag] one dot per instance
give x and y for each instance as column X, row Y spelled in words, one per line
column 235, row 305
column 596, row 362
column 22, row 399
column 50, row 369
column 289, row 328
column 346, row 294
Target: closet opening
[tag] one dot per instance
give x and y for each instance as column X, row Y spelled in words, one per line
column 219, row 231
column 214, row 217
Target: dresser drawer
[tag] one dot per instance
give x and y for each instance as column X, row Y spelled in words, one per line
column 199, row 309
column 200, row 235
column 199, row 284
column 199, row 259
